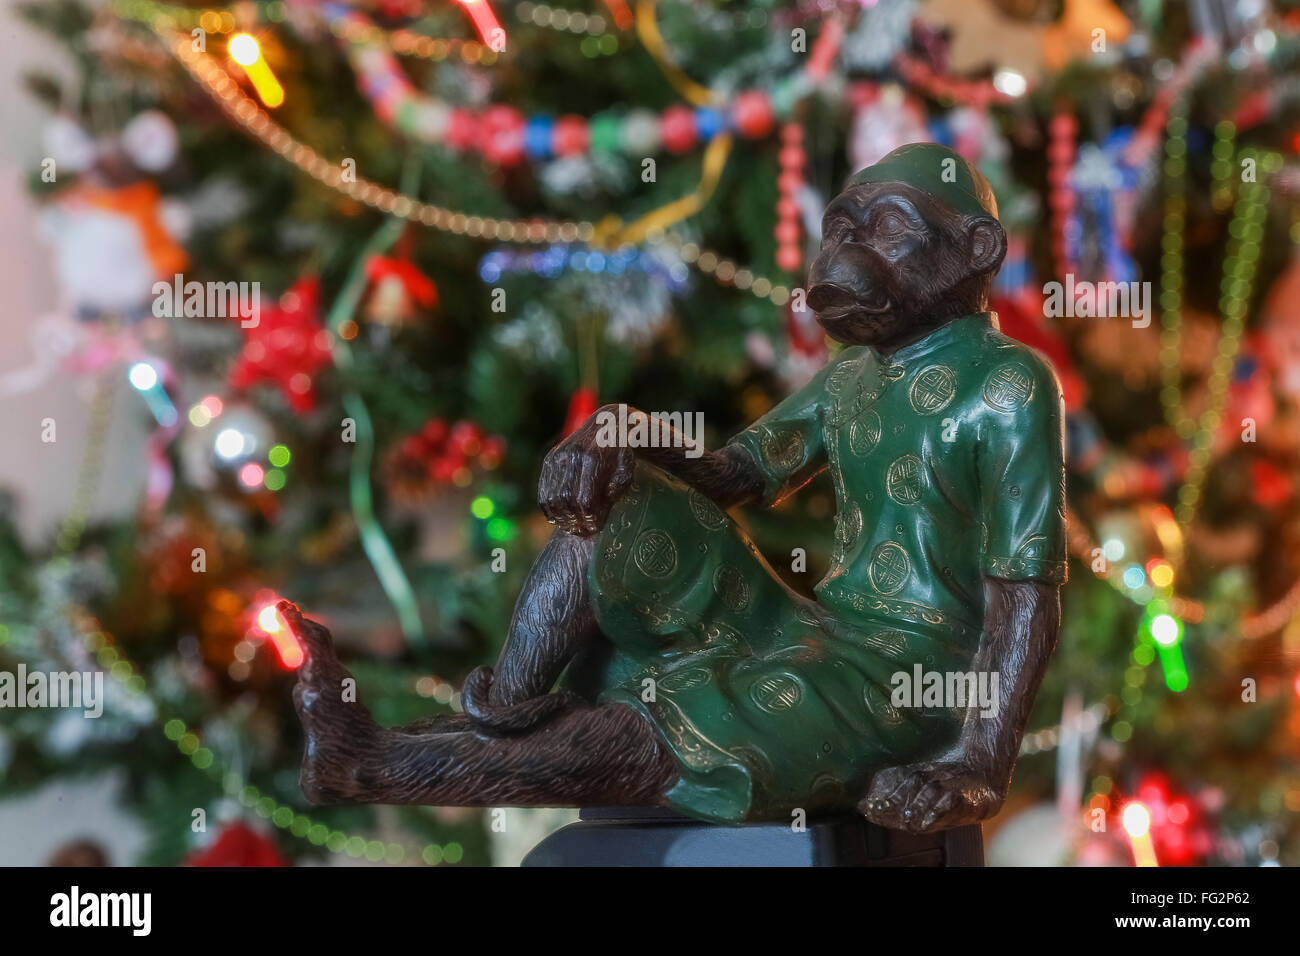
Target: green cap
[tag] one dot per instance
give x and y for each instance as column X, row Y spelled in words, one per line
column 926, row 166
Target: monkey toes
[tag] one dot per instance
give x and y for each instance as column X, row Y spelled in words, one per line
column 342, row 738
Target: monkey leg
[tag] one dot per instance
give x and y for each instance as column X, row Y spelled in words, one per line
column 553, row 620
column 607, row 754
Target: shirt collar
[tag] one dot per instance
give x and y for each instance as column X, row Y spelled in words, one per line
column 965, row 327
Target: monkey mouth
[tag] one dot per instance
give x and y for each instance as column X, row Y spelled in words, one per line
column 835, row 304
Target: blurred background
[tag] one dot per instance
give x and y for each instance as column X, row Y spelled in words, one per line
column 469, row 224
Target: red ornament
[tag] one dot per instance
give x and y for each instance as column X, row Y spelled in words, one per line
column 466, row 439
column 1063, row 132
column 787, row 231
column 502, row 135
column 677, row 129
column 752, row 114
column 569, row 137
column 1272, row 488
column 581, row 407
column 238, row 845
column 416, row 284
column 440, row 454
column 824, row 50
column 462, row 130
column 804, row 336
column 789, row 254
column 789, row 181
column 286, row 347
column 789, row 258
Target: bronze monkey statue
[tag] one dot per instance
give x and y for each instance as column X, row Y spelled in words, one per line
column 655, row 658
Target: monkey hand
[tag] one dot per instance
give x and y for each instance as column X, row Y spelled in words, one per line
column 935, row 795
column 581, row 479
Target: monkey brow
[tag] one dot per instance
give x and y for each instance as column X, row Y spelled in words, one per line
column 901, row 203
column 855, row 203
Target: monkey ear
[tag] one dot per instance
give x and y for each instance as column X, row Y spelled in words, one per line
column 986, row 244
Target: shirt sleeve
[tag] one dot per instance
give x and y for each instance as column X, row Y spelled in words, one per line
column 787, row 443
column 1021, row 465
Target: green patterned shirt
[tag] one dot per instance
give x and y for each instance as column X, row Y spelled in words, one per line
column 947, row 460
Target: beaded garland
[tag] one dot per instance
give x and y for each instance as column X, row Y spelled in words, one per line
column 553, row 260
column 507, row 137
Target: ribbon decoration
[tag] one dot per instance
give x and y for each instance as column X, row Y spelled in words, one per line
column 611, row 232
column 376, row 544
column 647, row 29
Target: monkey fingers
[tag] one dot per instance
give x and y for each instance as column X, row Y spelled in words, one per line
column 890, row 793
column 944, row 810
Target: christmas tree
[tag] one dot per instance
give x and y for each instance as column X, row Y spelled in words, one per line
column 359, row 266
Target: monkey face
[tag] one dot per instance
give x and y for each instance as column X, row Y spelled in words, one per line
column 896, row 262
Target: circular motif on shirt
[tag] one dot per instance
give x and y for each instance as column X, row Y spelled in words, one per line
column 1009, row 387
column 784, row 448
column 889, row 567
column 905, row 480
column 879, row 704
column 891, row 644
column 848, row 525
column 686, row 679
column 864, row 433
column 805, row 614
column 841, row 376
column 655, row 553
column 709, row 515
column 777, row 693
column 731, row 586
column 826, row 786
column 933, row 389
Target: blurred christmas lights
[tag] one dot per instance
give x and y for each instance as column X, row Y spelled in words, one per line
column 144, row 379
column 267, row 623
column 1137, row 824
column 245, row 50
column 486, row 23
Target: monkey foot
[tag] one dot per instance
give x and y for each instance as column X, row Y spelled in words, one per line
column 344, row 744
column 503, row 719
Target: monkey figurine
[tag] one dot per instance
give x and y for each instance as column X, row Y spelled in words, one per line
column 654, row 658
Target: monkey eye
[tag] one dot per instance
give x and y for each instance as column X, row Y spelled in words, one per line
column 891, row 225
column 838, row 229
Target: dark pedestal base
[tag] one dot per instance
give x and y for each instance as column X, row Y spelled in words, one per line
column 655, row 837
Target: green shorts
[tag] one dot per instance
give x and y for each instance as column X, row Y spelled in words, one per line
column 768, row 702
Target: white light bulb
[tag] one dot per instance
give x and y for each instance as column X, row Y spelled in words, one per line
column 142, row 376
column 230, row 443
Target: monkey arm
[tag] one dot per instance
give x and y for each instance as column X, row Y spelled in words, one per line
column 728, row 476
column 1021, row 620
column 587, row 472
column 969, row 782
